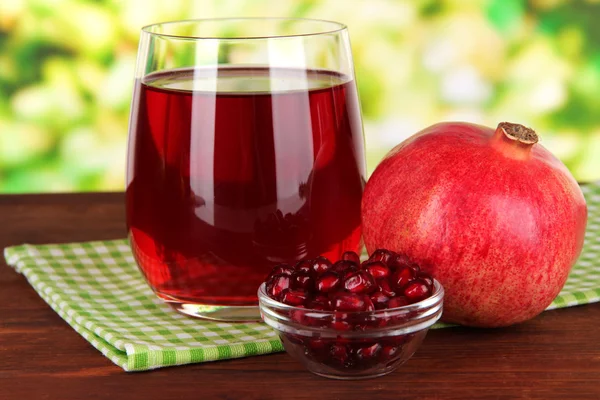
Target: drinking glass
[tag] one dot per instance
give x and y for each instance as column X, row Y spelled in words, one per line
column 245, row 151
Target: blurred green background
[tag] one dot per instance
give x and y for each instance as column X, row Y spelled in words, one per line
column 66, row 75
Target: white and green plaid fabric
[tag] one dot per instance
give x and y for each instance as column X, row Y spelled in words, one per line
column 583, row 285
column 97, row 288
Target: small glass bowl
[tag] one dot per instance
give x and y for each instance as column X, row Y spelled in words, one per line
column 352, row 345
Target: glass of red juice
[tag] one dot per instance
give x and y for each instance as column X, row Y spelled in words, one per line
column 245, row 151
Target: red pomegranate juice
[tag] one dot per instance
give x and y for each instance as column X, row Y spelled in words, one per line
column 232, row 171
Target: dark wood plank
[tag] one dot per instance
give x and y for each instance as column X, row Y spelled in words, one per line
column 556, row 355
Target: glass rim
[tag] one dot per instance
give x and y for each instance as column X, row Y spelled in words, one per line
column 335, row 27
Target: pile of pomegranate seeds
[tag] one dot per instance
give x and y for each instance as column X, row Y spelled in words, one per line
column 385, row 280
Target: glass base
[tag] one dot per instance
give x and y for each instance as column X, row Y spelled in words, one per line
column 233, row 313
column 218, row 313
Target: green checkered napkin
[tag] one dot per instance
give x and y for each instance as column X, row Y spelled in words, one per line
column 97, row 288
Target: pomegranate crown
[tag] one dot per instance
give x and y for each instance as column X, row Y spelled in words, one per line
column 519, row 132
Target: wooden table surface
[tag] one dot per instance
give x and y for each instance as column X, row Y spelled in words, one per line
column 556, row 355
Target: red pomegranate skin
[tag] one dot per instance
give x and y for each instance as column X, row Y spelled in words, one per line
column 498, row 222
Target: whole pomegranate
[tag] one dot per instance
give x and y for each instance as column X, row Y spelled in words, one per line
column 491, row 214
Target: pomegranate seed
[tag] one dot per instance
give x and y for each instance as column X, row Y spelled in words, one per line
column 328, row 282
column 369, row 306
column 302, row 280
column 349, row 302
column 399, row 301
column 365, row 353
column 415, row 267
column 380, row 300
column 381, row 255
column 384, row 287
column 321, row 264
column 349, row 273
column 311, row 318
column 389, row 352
column 400, row 260
column 362, row 326
column 276, row 285
column 402, row 277
column 297, row 339
column 299, row 316
column 282, row 269
column 320, row 303
column 304, row 266
column 317, row 344
column 377, row 269
column 352, row 257
column 378, row 322
column 425, row 277
column 339, row 352
column 322, row 299
column 343, row 266
column 340, row 326
column 293, row 297
column 359, row 282
column 417, row 291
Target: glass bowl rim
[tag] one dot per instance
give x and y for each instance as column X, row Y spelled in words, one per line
column 336, row 27
column 434, row 300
